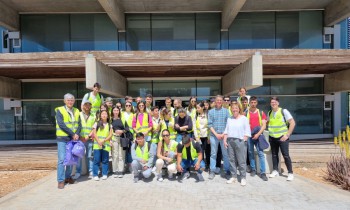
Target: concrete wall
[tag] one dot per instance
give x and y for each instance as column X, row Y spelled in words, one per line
column 10, row 88
column 337, row 82
column 248, row 74
column 112, row 82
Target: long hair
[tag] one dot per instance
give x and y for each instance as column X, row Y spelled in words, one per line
column 112, row 114
column 132, row 107
column 100, row 122
column 190, row 106
column 201, row 104
column 163, row 142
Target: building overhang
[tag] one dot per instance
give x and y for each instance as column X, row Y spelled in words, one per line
column 150, row 64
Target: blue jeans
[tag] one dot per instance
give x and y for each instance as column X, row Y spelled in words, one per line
column 101, row 155
column 214, row 144
column 251, row 143
column 88, row 158
column 185, row 164
column 63, row 172
column 179, row 137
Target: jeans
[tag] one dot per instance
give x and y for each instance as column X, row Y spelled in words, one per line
column 180, row 136
column 237, row 152
column 101, row 155
column 63, row 172
column 88, row 158
column 137, row 166
column 185, row 164
column 214, row 143
column 275, row 144
column 251, row 143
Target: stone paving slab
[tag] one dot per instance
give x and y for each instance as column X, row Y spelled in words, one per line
column 122, row 193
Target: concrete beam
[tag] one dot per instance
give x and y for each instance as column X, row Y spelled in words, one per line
column 230, row 11
column 112, row 82
column 337, row 82
column 10, row 88
column 116, row 12
column 336, row 11
column 9, row 17
column 248, row 74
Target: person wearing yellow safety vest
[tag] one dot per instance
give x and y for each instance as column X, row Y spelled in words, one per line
column 142, row 122
column 280, row 125
column 183, row 125
column 257, row 122
column 149, row 100
column 242, row 92
column 143, row 154
column 189, row 154
column 156, row 124
column 236, row 135
column 168, row 123
column 168, row 106
column 191, row 109
column 103, row 132
column 201, row 132
column 68, row 128
column 177, row 106
column 127, row 116
column 109, row 104
column 166, row 153
column 86, row 135
column 95, row 98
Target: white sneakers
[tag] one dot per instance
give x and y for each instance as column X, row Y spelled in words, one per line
column 96, row 178
column 104, row 177
column 290, row 177
column 243, row 182
column 274, row 174
column 231, row 180
column 90, row 175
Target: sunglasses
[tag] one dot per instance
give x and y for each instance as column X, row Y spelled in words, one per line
column 166, row 135
column 127, row 105
column 227, row 100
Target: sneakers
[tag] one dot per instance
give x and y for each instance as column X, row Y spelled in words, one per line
column 104, row 177
column 120, row 175
column 154, row 169
column 200, row 177
column 136, row 179
column 290, row 177
column 76, row 176
column 263, row 177
column 60, row 185
column 211, row 175
column 249, row 169
column 274, row 174
column 90, row 175
column 252, row 173
column 96, row 178
column 243, row 182
column 115, row 175
column 159, row 178
column 185, row 176
column 217, row 170
column 228, row 175
column 231, row 180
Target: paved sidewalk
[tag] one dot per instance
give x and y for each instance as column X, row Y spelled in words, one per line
column 122, row 193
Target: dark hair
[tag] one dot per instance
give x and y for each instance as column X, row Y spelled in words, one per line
column 244, row 99
column 253, row 98
column 168, row 98
column 163, row 142
column 243, row 89
column 132, row 107
column 154, row 107
column 139, row 134
column 97, row 85
column 202, row 105
column 190, row 107
column 149, row 96
column 137, row 107
column 165, row 112
column 112, row 114
column 128, row 97
column 274, row 98
column 227, row 97
column 100, row 123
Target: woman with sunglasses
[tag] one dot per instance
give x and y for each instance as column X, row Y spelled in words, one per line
column 191, row 109
column 127, row 117
column 166, row 153
column 142, row 122
column 168, row 123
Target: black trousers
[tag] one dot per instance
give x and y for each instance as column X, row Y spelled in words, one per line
column 277, row 144
column 207, row 149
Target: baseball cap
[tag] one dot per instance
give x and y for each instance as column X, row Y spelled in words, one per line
column 86, row 101
column 185, row 140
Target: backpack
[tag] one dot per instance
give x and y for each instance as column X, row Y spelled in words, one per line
column 284, row 118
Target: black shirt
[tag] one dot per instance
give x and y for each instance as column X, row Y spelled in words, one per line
column 183, row 122
column 118, row 125
column 196, row 146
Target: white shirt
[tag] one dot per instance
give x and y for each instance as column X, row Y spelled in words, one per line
column 237, row 128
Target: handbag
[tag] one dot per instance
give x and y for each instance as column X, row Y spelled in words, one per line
column 263, row 144
column 125, row 140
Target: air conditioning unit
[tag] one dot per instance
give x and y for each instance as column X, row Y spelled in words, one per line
column 10, row 40
column 327, row 35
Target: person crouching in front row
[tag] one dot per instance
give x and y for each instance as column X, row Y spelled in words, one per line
column 143, row 155
column 189, row 154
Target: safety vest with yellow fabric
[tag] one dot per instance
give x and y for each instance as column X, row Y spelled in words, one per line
column 102, row 134
column 156, row 123
column 277, row 125
column 128, row 120
column 198, row 125
column 194, row 153
column 259, row 114
column 95, row 102
column 170, row 128
column 86, row 125
column 171, row 148
column 192, row 113
column 144, row 126
column 71, row 124
column 145, row 154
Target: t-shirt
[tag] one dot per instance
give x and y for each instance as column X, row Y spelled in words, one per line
column 196, row 146
column 254, row 118
column 237, row 127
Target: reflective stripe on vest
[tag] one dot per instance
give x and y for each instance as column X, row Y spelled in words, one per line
column 248, row 116
column 198, row 126
column 102, row 134
column 67, row 120
column 95, row 103
column 277, row 125
column 173, row 147
column 86, row 126
column 128, row 121
column 144, row 126
column 155, row 135
column 172, row 130
column 145, row 154
column 194, row 153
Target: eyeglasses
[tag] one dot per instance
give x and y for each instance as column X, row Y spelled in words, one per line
column 227, row 100
column 166, row 135
column 127, row 105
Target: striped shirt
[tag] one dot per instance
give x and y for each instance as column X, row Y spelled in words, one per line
column 218, row 119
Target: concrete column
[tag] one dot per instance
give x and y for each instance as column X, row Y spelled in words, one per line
column 10, row 88
column 337, row 113
column 248, row 74
column 111, row 81
column 337, row 82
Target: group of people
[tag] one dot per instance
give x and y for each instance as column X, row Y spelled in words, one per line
column 148, row 139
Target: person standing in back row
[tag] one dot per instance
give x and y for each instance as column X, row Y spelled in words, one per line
column 281, row 125
column 95, row 98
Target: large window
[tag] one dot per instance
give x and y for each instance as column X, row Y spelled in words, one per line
column 208, row 31
column 138, row 32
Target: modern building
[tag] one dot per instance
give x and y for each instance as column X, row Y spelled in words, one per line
column 296, row 50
